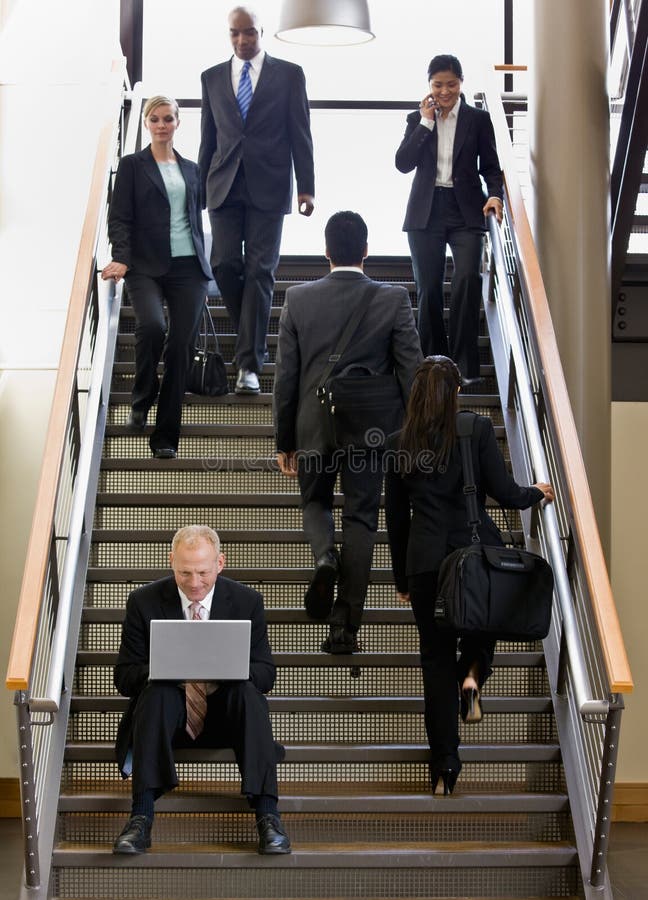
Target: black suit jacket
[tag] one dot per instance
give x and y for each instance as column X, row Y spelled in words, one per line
column 426, row 513
column 311, row 323
column 275, row 136
column 160, row 600
column 139, row 221
column 474, row 154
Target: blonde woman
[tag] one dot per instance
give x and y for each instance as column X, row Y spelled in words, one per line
column 155, row 228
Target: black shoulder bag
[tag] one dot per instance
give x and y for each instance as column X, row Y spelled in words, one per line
column 502, row 592
column 206, row 374
column 359, row 407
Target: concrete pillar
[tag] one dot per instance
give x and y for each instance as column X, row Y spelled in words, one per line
column 569, row 153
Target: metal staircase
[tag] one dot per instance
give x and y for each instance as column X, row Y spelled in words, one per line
column 354, row 789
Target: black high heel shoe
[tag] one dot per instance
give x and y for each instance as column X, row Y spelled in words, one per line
column 443, row 781
column 471, row 711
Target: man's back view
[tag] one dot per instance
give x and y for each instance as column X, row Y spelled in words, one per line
column 312, row 321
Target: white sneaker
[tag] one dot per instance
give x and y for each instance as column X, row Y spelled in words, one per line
column 246, row 382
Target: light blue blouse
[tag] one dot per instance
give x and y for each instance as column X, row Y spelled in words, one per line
column 181, row 240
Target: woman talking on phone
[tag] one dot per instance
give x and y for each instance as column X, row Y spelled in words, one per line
column 426, row 515
column 155, row 228
column 450, row 145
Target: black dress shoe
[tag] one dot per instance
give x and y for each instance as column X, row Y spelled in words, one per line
column 135, row 836
column 136, row 420
column 340, row 640
column 272, row 836
column 318, row 599
column 165, row 453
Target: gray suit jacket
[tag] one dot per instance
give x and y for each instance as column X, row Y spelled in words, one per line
column 312, row 320
column 275, row 136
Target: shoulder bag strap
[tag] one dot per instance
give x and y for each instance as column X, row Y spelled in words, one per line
column 208, row 330
column 465, row 425
column 354, row 320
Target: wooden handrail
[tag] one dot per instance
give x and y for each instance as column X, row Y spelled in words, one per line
column 584, row 524
column 38, row 548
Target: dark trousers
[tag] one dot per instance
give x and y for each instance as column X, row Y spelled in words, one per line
column 244, row 258
column 443, row 673
column 184, row 287
column 446, row 226
column 360, row 482
column 237, row 717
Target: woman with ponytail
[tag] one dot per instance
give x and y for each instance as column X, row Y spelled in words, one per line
column 427, row 519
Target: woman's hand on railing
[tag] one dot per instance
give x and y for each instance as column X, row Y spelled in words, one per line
column 115, row 270
column 547, row 490
column 494, row 205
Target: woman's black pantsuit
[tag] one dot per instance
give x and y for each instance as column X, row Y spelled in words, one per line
column 426, row 519
column 437, row 217
column 139, row 228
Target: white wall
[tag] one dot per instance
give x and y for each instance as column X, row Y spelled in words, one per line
column 55, row 57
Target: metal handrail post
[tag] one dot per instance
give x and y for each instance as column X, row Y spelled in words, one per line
column 27, row 790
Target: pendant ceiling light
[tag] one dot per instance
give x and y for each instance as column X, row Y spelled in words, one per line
column 325, row 23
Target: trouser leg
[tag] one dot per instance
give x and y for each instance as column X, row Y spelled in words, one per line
column 465, row 300
column 428, row 249
column 262, row 235
column 438, row 649
column 361, row 480
column 158, row 716
column 185, row 289
column 238, row 717
column 147, row 301
column 317, row 474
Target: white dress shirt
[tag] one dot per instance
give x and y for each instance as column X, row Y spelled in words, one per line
column 256, row 64
column 186, row 604
column 446, row 130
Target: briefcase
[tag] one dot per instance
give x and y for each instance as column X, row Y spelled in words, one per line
column 504, row 592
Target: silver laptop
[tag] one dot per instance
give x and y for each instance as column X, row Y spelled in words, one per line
column 212, row 650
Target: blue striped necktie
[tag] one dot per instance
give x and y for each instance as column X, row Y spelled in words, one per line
column 244, row 95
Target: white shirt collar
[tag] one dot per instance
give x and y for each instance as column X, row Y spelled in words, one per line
column 186, row 602
column 348, row 269
column 255, row 63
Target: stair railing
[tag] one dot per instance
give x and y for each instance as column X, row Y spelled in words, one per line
column 585, row 654
column 42, row 655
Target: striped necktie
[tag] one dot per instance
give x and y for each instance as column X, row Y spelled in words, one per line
column 196, row 691
column 244, row 95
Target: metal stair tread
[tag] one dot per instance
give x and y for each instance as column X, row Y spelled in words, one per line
column 358, row 801
column 440, row 855
column 377, row 705
column 265, row 399
column 518, row 658
column 256, row 536
column 394, row 615
column 514, row 751
column 228, row 430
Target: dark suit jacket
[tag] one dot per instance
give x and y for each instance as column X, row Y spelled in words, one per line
column 160, row 600
column 474, row 154
column 426, row 512
column 274, row 137
column 139, row 221
column 311, row 323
